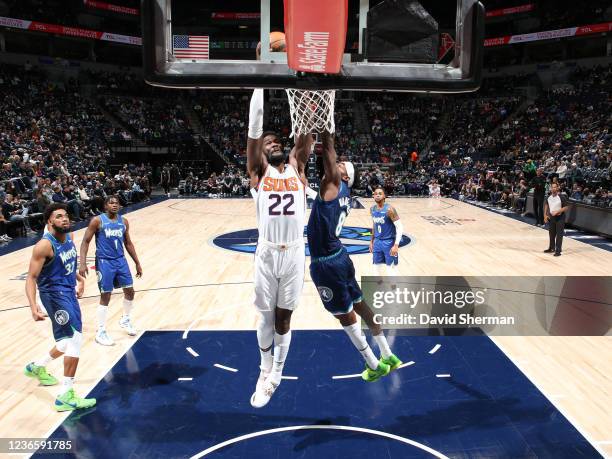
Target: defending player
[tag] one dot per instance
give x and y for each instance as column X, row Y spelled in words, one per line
column 53, row 270
column 386, row 231
column 112, row 233
column 331, row 268
column 278, row 188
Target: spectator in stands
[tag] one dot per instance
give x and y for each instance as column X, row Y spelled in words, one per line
column 14, row 210
column 4, row 237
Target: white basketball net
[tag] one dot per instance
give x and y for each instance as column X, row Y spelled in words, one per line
column 311, row 111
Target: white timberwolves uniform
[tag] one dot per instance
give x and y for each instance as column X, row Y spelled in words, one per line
column 279, row 259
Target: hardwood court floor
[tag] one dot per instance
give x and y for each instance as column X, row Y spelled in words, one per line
column 188, row 282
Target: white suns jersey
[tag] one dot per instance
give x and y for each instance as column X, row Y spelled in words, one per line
column 281, row 205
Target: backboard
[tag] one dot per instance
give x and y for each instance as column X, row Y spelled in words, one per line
column 390, row 45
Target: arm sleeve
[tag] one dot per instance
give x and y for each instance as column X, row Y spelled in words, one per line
column 256, row 114
column 399, row 229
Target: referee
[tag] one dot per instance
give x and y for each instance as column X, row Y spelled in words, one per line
column 554, row 214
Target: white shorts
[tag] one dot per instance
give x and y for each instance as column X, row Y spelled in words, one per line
column 279, row 276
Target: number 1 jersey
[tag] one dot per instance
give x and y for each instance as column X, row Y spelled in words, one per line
column 109, row 238
column 281, row 206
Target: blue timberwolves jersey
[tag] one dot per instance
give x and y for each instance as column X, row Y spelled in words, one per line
column 326, row 221
column 109, row 238
column 383, row 226
column 59, row 273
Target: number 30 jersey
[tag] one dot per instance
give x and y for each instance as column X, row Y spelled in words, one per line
column 326, row 222
column 109, row 238
column 281, row 206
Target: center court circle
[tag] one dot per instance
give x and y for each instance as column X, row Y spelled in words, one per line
column 379, row 433
column 356, row 240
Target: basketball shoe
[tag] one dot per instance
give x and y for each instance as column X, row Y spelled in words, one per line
column 263, row 393
column 69, row 402
column 40, row 373
column 103, row 338
column 127, row 325
column 393, row 362
column 370, row 375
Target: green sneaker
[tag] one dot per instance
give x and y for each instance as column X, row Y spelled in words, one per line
column 69, row 402
column 40, row 373
column 392, row 361
column 370, row 375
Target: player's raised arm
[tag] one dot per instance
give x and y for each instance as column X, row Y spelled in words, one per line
column 129, row 246
column 256, row 162
column 94, row 224
column 300, row 152
column 42, row 251
column 331, row 180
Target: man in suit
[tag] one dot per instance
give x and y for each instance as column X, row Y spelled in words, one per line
column 554, row 214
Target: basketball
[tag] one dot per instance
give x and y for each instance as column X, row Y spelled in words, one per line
column 277, row 41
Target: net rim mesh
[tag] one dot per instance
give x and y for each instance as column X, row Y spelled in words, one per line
column 311, row 111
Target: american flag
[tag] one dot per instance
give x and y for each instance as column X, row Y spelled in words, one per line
column 190, row 46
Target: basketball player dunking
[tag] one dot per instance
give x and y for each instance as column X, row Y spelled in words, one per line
column 331, row 268
column 278, row 186
column 112, row 231
column 386, row 231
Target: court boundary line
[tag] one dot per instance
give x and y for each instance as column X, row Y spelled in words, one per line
column 587, row 436
column 379, row 433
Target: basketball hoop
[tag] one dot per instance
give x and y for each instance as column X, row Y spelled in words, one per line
column 311, row 111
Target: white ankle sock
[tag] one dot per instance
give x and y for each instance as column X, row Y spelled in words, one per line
column 281, row 349
column 43, row 361
column 67, row 383
column 102, row 311
column 383, row 345
column 359, row 341
column 127, row 307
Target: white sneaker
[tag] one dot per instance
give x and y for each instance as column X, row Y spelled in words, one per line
column 126, row 324
column 103, row 338
column 262, row 396
column 263, row 375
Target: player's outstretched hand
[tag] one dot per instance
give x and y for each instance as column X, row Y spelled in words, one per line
column 138, row 271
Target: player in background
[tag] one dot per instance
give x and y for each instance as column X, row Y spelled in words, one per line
column 53, row 270
column 112, row 232
column 331, row 268
column 386, row 231
column 278, row 186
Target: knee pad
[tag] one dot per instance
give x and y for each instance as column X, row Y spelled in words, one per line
column 73, row 347
column 62, row 345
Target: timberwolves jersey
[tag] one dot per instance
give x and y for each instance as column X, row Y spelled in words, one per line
column 326, row 221
column 59, row 273
column 281, row 205
column 384, row 229
column 109, row 238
